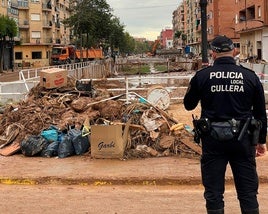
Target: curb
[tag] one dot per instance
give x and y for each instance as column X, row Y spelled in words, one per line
column 110, row 182
column 98, row 181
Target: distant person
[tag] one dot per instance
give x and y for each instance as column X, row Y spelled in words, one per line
column 232, row 127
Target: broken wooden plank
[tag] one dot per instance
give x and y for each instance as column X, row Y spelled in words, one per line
column 192, row 145
column 10, row 149
column 12, row 136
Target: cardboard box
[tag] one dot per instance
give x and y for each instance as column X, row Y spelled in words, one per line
column 53, row 77
column 108, row 141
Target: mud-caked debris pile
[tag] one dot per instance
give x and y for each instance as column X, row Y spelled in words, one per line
column 56, row 122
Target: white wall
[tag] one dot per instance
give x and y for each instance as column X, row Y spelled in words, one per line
column 169, row 44
column 265, row 44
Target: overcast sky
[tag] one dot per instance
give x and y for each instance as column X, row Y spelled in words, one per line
column 144, row 18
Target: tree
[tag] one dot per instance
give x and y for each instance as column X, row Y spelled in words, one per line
column 177, row 34
column 8, row 30
column 184, row 38
column 93, row 24
column 116, row 35
column 142, row 47
column 89, row 20
column 128, row 44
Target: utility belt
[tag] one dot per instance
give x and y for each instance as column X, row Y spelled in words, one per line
column 227, row 130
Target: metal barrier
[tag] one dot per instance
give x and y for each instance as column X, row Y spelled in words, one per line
column 145, row 83
column 28, row 74
column 28, row 78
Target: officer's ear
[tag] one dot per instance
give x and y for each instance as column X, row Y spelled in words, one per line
column 214, row 55
column 235, row 52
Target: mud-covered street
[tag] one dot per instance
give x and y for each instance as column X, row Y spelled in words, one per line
column 114, row 199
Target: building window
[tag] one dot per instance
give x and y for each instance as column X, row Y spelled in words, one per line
column 237, row 45
column 236, row 19
column 251, row 13
column 259, row 11
column 210, row 30
column 18, row 55
column 242, row 15
column 35, row 17
column 210, row 15
column 36, row 55
column 36, row 34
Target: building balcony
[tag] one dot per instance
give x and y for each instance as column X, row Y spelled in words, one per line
column 198, row 28
column 36, row 41
column 47, row 40
column 47, row 25
column 13, row 12
column 57, row 41
column 249, row 25
column 23, row 5
column 25, row 40
column 24, row 25
column 14, row 4
column 57, row 10
column 47, row 7
column 57, row 24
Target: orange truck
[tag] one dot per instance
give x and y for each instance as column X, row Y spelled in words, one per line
column 69, row 53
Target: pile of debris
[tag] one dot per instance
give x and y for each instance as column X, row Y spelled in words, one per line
column 152, row 132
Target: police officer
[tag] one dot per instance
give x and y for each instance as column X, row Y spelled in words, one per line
column 229, row 92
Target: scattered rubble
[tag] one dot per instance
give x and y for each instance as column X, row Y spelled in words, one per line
column 152, row 132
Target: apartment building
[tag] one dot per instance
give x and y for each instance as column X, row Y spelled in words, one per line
column 40, row 27
column 166, row 38
column 244, row 21
column 186, row 21
column 178, row 22
column 221, row 20
column 3, row 7
column 192, row 21
column 251, row 22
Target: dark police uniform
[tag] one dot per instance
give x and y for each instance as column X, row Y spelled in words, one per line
column 228, row 91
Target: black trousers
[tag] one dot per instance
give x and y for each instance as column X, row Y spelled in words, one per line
column 241, row 157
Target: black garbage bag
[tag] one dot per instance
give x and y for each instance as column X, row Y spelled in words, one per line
column 51, row 150
column 66, row 147
column 81, row 144
column 33, row 145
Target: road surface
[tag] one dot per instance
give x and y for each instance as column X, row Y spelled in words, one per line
column 68, row 199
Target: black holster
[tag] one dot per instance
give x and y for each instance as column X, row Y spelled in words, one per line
column 254, row 131
column 201, row 126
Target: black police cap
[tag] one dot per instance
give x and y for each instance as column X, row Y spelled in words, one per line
column 221, row 44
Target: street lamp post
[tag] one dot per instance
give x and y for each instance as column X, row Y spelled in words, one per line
column 203, row 6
